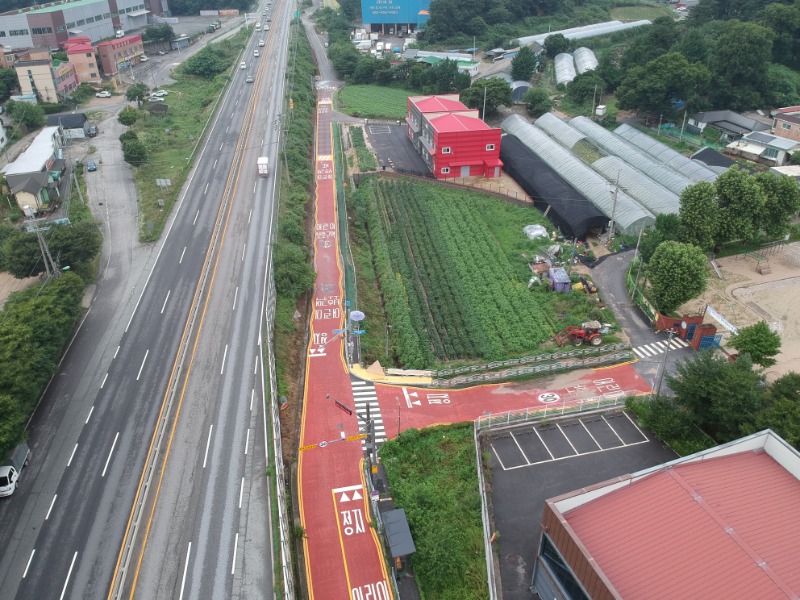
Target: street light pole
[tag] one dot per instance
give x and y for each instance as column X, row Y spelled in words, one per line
column 663, row 364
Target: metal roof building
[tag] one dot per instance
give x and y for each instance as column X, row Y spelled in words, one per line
column 721, row 523
column 581, row 33
column 565, row 68
column 613, row 144
column 585, row 60
column 630, row 216
column 694, row 170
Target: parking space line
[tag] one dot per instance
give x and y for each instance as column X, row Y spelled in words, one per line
column 590, row 434
column 497, row 456
column 521, row 451
column 611, row 427
column 566, row 437
column 574, row 456
column 627, row 416
column 543, row 444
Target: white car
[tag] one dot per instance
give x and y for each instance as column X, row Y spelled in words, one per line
column 143, row 58
column 242, row 65
column 255, row 53
column 260, row 43
column 249, row 79
column 160, row 93
column 153, row 99
column 103, row 94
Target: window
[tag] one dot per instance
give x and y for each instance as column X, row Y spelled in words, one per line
column 786, row 126
column 489, row 147
column 563, row 574
column 70, row 25
column 60, row 28
column 81, row 22
column 447, row 150
column 106, row 15
column 445, row 170
column 770, row 153
column 2, row 34
column 18, row 32
column 90, row 65
column 92, row 75
column 90, row 19
column 42, row 30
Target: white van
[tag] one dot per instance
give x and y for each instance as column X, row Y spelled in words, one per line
column 120, row 33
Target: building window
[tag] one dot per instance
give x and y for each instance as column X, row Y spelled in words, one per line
column 60, row 28
column 42, row 30
column 90, row 65
column 18, row 32
column 446, row 150
column 92, row 75
column 786, row 126
column 81, row 22
column 106, row 15
column 445, row 170
column 70, row 25
column 489, row 147
column 2, row 34
column 549, row 554
column 770, row 153
column 90, row 19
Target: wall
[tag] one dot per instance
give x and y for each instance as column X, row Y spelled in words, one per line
column 780, row 129
column 18, row 23
column 39, row 75
column 466, row 147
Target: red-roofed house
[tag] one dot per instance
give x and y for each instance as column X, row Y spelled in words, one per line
column 118, row 54
column 721, row 523
column 80, row 53
column 451, row 139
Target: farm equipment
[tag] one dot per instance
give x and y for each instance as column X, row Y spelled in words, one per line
column 591, row 332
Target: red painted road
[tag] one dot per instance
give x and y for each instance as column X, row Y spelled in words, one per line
column 342, row 552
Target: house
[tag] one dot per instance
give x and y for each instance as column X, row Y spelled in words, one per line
column 720, row 523
column 80, row 53
column 732, row 125
column 36, row 176
column 74, row 125
column 786, row 125
column 36, row 78
column 119, row 54
column 451, row 139
column 65, row 77
column 764, row 148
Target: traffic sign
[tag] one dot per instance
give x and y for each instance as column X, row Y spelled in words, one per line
column 359, row 332
column 309, row 447
column 360, row 436
column 338, row 331
column 344, row 408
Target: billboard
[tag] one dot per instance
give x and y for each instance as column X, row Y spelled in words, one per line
column 392, row 11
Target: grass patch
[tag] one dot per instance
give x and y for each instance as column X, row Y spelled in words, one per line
column 432, row 475
column 643, row 11
column 366, row 159
column 374, row 101
column 587, row 152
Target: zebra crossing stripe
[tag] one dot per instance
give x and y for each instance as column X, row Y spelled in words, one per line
column 659, row 347
column 365, row 397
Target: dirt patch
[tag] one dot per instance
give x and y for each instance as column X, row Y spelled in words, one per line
column 10, row 284
column 746, row 296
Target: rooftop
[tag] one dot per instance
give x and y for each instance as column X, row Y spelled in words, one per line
column 426, row 104
column 718, row 524
column 455, row 122
column 789, row 118
column 772, row 141
column 55, row 6
column 729, row 120
column 37, row 154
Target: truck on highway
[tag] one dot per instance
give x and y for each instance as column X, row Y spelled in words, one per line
column 11, row 469
column 263, row 166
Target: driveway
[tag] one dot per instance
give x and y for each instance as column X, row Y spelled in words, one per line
column 393, row 149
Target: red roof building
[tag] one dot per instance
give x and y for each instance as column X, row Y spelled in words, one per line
column 718, row 524
column 451, row 139
column 120, row 54
column 80, row 53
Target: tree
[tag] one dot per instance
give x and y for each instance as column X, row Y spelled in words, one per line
column 443, row 78
column 538, row 101
column 741, row 206
column 75, row 245
column 759, row 342
column 722, row 397
column 651, row 43
column 26, row 114
column 136, row 93
column 699, row 215
column 134, row 152
column 493, row 91
column 365, row 68
column 207, row 63
column 523, row 64
column 344, row 58
column 159, row 33
column 781, row 202
column 677, row 273
column 738, row 66
column 585, row 86
column 656, row 86
column 22, row 256
column 667, row 228
column 128, row 116
column 8, row 83
column 555, row 44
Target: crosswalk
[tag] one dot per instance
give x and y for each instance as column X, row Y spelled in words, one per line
column 364, row 395
column 655, row 348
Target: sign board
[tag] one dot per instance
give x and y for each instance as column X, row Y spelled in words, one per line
column 338, row 331
column 360, row 436
column 343, row 408
column 720, row 319
column 309, row 447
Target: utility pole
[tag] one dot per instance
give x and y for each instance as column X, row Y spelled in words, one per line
column 685, row 114
column 657, row 389
column 613, row 210
column 594, row 95
column 49, row 264
column 483, row 118
column 658, row 131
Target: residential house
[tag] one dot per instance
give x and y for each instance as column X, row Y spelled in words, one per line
column 7, row 57
column 732, row 125
column 764, row 148
column 74, row 125
column 80, row 53
column 65, row 77
column 36, row 78
column 120, row 54
column 37, row 174
column 786, row 123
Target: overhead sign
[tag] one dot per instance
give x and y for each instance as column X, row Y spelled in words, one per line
column 360, row 436
column 338, row 331
column 720, row 319
column 344, row 408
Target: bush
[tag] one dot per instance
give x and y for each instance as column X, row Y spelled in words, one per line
column 128, row 136
column 134, row 152
column 128, row 116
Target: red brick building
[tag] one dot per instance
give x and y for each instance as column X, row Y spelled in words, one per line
column 81, row 54
column 786, row 123
column 451, row 138
column 120, row 54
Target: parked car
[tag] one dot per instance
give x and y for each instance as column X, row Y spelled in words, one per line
column 92, row 131
column 103, row 94
column 143, row 58
column 91, row 166
column 249, row 79
column 11, row 469
column 161, row 53
column 159, row 93
column 242, row 65
column 154, row 99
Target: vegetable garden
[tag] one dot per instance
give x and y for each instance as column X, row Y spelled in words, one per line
column 449, row 289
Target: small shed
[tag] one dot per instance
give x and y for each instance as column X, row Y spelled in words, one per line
column 157, row 110
column 74, row 125
column 559, row 279
column 398, row 536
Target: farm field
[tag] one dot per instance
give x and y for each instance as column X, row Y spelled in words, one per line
column 452, row 270
column 374, row 101
column 643, row 11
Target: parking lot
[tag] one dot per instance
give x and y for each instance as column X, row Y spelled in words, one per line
column 393, row 149
column 539, row 444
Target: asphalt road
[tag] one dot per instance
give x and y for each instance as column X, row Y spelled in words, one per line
column 62, row 531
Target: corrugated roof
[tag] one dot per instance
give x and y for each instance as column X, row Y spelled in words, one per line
column 656, row 198
column 79, row 48
column 723, row 527
column 559, row 130
column 37, row 154
column 586, row 31
column 454, row 122
column 565, row 68
column 427, row 104
column 585, row 60
column 772, row 141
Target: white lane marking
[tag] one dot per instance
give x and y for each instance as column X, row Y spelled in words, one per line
column 250, row 214
column 252, row 395
column 224, row 356
column 182, row 253
column 255, row 185
column 197, row 214
column 208, row 443
column 89, row 416
column 247, row 442
column 243, row 249
column 227, row 129
column 255, row 367
column 144, row 360
column 235, row 547
column 163, row 306
column 104, row 381
column 215, row 164
column 235, row 296
column 28, row 566
column 69, row 574
column 206, row 190
column 116, row 351
column 185, row 568
column 69, row 462
column 220, row 147
column 241, row 491
column 108, row 460
column 49, row 510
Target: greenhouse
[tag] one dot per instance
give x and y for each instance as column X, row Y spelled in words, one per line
column 567, row 208
column 565, row 68
column 655, row 198
column 559, row 130
column 694, row 170
column 613, row 144
column 585, row 60
column 629, row 216
column 581, row 33
column 518, row 91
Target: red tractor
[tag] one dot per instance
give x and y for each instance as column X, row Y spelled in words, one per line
column 591, row 332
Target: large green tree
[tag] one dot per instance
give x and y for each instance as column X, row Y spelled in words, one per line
column 537, row 101
column 781, row 202
column 523, row 64
column 30, row 116
column 657, row 85
column 136, row 93
column 344, row 58
column 699, row 215
column 677, row 273
column 586, row 86
column 555, row 44
column 741, row 206
column 739, row 65
column 491, row 93
column 759, row 342
column 207, row 63
column 159, row 33
column 667, row 228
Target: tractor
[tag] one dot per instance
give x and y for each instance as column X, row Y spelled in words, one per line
column 591, row 332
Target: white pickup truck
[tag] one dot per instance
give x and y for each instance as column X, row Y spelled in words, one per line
column 11, row 469
column 263, row 166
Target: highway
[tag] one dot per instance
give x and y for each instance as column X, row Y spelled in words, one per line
column 166, row 372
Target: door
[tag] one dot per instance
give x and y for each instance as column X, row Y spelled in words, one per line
column 465, row 171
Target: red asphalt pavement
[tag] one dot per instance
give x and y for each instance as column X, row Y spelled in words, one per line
column 406, row 407
column 343, row 557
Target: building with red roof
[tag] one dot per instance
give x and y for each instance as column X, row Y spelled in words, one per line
column 80, row 53
column 451, row 138
column 120, row 54
column 721, row 523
